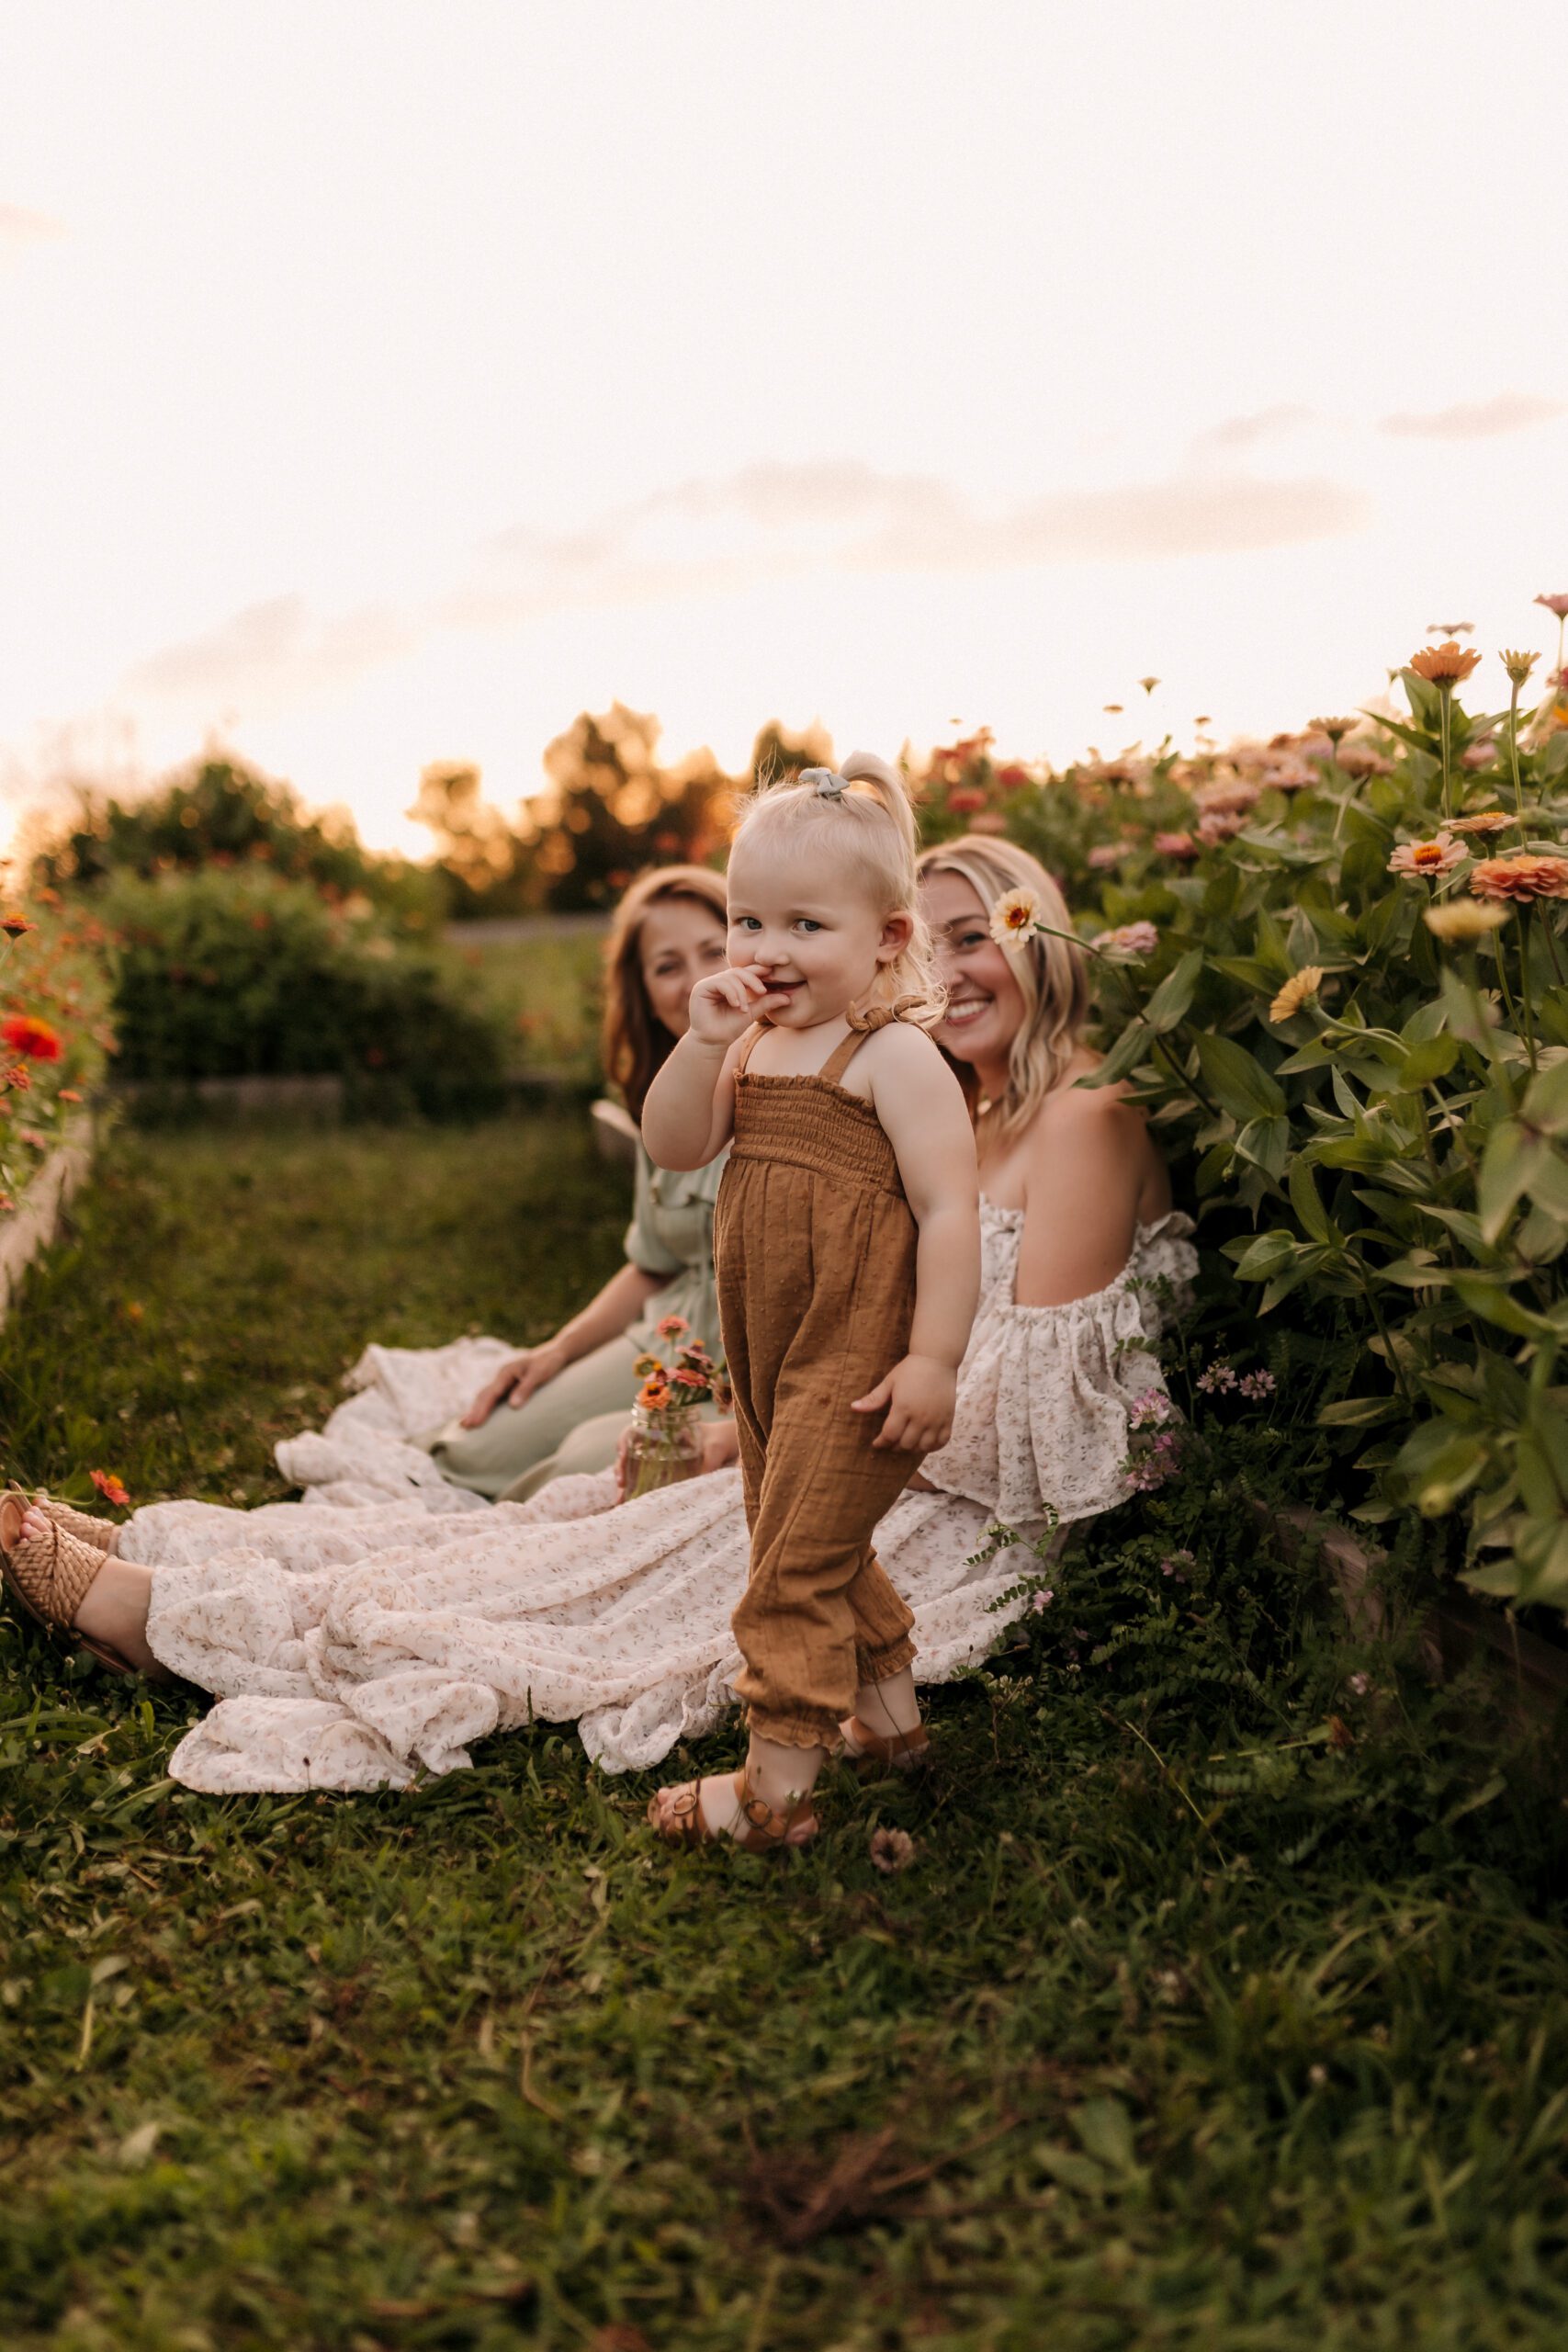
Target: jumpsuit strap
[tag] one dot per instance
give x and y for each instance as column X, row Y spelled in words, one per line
column 749, row 1041
column 842, row 1054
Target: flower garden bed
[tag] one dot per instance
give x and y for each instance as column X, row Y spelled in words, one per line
column 1334, row 970
column 55, row 1040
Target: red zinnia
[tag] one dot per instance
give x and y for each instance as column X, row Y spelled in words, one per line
column 112, row 1489
column 25, row 1035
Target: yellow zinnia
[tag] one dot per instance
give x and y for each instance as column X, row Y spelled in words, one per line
column 1300, row 988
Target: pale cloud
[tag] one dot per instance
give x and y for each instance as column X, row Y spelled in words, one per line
column 1474, row 420
column 19, row 228
column 774, row 520
column 273, row 653
column 726, row 536
column 1233, row 433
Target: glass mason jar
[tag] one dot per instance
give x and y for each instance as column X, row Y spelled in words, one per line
column 661, row 1448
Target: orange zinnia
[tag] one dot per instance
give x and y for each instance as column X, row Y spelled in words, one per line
column 1521, row 877
column 35, row 1038
column 1444, row 665
column 1486, row 821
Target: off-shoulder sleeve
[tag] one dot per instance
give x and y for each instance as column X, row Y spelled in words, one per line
column 1046, row 1391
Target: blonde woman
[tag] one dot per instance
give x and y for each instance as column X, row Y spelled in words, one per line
column 560, row 1406
column 396, row 1642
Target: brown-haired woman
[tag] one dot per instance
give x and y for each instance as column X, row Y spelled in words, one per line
column 560, row 1406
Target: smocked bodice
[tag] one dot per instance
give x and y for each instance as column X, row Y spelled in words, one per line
column 814, row 1124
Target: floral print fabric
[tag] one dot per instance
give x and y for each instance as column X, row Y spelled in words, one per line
column 386, row 1623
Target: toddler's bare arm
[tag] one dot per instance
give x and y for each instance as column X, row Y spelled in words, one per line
column 921, row 1107
column 689, row 1115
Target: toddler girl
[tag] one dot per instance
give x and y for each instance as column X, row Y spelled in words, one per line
column 846, row 1246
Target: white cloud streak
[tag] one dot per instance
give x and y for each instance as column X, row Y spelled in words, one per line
column 274, row 652
column 768, row 520
column 1475, row 420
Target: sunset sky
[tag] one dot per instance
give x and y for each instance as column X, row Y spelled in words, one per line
column 383, row 385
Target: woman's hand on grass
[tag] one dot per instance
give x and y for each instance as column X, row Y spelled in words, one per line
column 920, row 1394
column 515, row 1382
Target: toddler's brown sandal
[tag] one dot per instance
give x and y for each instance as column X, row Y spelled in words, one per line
column 870, row 1752
column 756, row 1828
column 49, row 1577
column 101, row 1533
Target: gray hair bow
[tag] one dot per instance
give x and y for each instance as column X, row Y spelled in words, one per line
column 829, row 784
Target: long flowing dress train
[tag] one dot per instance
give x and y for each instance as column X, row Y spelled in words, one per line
column 380, row 1626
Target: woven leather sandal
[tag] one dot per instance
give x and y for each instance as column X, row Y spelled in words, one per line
column 101, row 1533
column 871, row 1751
column 756, row 1828
column 49, row 1577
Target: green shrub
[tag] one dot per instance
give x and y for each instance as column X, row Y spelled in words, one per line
column 218, row 812
column 1381, row 1151
column 233, row 972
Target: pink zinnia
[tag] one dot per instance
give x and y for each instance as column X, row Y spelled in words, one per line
column 1428, row 860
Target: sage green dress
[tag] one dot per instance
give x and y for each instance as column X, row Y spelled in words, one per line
column 574, row 1423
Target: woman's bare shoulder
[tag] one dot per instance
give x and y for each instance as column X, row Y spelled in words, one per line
column 1091, row 1115
column 1094, row 1133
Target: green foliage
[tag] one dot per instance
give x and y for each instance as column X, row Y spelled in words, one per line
column 475, row 2064
column 1386, row 1166
column 222, row 813
column 228, row 972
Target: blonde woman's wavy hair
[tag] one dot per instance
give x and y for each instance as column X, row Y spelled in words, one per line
column 1052, row 974
column 859, row 816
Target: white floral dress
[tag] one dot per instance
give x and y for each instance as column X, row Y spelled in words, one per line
column 389, row 1621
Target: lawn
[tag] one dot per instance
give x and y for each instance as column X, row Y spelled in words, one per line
column 1114, row 2061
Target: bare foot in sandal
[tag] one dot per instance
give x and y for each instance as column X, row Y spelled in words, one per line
column 765, row 1808
column 72, row 1588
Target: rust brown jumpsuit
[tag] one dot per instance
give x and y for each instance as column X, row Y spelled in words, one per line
column 814, row 1248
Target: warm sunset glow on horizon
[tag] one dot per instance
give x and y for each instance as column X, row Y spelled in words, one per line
column 384, row 387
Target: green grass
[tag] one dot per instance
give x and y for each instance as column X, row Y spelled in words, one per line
column 545, row 989
column 477, row 2065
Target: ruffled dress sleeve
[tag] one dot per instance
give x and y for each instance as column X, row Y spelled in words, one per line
column 1043, row 1397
